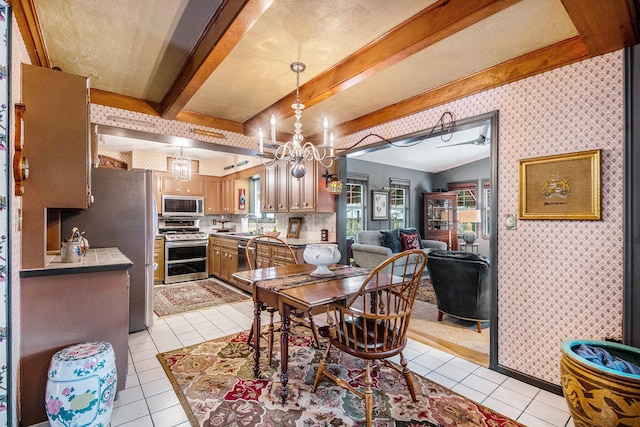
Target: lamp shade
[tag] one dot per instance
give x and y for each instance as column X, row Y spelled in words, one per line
column 469, row 215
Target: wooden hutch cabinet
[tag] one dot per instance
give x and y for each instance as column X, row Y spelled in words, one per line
column 440, row 218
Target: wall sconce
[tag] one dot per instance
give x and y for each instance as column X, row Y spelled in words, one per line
column 334, row 185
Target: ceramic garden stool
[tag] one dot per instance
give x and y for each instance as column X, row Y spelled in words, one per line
column 81, row 385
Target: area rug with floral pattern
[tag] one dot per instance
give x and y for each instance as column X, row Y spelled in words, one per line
column 215, row 384
column 181, row 297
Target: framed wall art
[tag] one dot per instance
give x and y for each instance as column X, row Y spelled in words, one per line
column 293, row 229
column 380, row 205
column 563, row 186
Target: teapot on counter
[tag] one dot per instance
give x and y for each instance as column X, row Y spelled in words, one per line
column 75, row 247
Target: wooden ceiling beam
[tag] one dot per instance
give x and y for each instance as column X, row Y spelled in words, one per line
column 223, row 33
column 604, row 26
column 129, row 103
column 209, row 121
column 542, row 60
column 435, row 23
column 29, row 25
column 124, row 102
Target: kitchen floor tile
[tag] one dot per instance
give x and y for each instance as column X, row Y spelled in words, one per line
column 169, row 417
column 480, row 384
column 129, row 412
column 151, row 375
column 156, row 387
column 162, row 401
column 501, row 407
column 546, row 413
column 145, row 365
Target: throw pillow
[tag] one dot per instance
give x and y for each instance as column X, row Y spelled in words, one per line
column 410, row 241
column 391, row 240
column 413, row 231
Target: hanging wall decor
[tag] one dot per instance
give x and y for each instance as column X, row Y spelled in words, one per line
column 563, row 186
column 380, row 205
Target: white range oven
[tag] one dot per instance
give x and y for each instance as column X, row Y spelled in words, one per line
column 186, row 250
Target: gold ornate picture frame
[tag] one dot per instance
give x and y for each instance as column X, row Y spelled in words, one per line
column 563, row 186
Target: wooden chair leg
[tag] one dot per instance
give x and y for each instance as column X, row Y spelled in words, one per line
column 314, row 330
column 479, row 327
column 368, row 394
column 321, row 368
column 440, row 315
column 407, row 377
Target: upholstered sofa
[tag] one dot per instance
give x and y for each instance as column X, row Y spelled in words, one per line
column 461, row 282
column 371, row 247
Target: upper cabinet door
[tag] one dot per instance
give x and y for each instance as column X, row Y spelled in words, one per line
column 56, row 134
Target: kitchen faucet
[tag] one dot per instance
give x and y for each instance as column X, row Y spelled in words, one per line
column 255, row 217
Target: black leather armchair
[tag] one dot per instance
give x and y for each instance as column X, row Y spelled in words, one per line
column 461, row 282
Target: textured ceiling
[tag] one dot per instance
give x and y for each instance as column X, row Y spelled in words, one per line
column 225, row 65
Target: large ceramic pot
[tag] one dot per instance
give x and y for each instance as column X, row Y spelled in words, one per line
column 321, row 256
column 597, row 395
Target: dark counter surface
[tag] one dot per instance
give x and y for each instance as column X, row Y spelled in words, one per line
column 295, row 243
column 95, row 260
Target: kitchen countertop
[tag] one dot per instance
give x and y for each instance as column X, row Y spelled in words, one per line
column 95, row 260
column 291, row 242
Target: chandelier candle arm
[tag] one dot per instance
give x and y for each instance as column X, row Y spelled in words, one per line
column 273, row 129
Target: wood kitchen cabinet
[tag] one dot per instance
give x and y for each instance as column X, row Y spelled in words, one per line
column 269, row 189
column 302, row 191
column 282, row 187
column 228, row 259
column 228, row 195
column 194, row 187
column 214, row 256
column 223, row 257
column 213, row 196
column 158, row 258
column 57, row 146
column 274, row 187
column 440, row 218
column 281, row 192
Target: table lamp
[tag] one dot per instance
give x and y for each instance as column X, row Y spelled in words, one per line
column 469, row 216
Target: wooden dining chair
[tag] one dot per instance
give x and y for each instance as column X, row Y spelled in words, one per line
column 372, row 324
column 264, row 251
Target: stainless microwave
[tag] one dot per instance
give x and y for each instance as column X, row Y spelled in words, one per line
column 182, row 206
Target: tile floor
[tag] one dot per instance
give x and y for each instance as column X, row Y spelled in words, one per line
column 149, row 400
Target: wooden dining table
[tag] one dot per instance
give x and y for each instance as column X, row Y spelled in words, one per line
column 290, row 287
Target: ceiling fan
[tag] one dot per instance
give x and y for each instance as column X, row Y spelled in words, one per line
column 482, row 139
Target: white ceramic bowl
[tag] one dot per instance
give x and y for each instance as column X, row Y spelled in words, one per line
column 321, row 256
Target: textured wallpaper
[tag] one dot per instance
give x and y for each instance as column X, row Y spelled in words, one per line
column 556, row 279
column 18, row 55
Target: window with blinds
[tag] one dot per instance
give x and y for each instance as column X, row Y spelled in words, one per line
column 356, row 190
column 467, row 198
column 399, row 203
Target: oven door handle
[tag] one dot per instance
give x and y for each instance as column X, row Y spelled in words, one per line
column 186, row 243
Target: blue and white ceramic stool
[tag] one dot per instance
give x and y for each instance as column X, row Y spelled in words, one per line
column 81, row 385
